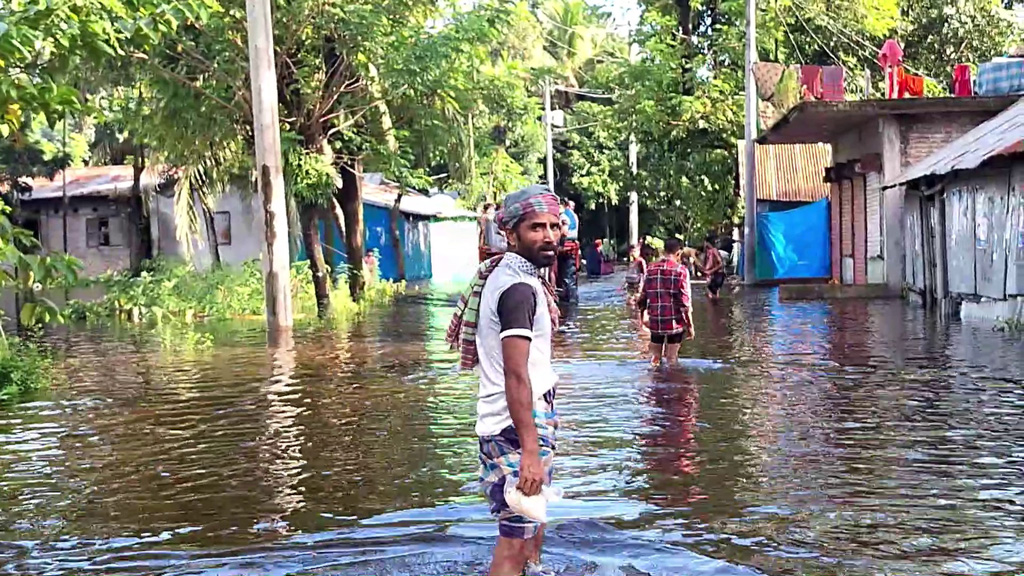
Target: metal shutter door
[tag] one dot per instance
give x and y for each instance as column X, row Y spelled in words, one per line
column 873, row 193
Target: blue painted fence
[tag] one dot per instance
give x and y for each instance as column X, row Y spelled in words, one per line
column 415, row 240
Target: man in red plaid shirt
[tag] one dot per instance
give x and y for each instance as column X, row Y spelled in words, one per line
column 665, row 300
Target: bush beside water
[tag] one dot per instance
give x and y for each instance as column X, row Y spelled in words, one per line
column 25, row 368
column 168, row 291
column 174, row 295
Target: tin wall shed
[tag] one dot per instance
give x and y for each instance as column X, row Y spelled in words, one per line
column 1015, row 262
column 959, row 236
column 414, row 234
column 788, row 172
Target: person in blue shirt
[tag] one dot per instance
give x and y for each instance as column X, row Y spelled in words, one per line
column 570, row 221
column 568, row 264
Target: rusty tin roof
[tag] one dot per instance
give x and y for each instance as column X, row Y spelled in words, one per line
column 788, row 172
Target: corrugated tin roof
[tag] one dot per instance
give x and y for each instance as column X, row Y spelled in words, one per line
column 998, row 136
column 788, row 172
column 92, row 181
column 383, row 193
column 106, row 181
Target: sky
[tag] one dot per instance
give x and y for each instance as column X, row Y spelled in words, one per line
column 625, row 13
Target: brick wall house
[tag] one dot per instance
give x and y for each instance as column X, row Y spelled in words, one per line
column 873, row 141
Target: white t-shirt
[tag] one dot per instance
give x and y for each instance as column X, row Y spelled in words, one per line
column 513, row 303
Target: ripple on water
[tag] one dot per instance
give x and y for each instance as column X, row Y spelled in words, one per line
column 810, row 438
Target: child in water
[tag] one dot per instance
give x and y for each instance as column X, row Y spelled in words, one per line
column 635, row 274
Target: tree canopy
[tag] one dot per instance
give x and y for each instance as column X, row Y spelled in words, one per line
column 439, row 95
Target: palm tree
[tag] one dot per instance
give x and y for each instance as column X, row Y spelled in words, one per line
column 577, row 36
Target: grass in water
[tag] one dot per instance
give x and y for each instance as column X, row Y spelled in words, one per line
column 25, row 368
column 173, row 292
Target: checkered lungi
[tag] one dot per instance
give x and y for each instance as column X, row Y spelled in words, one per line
column 499, row 459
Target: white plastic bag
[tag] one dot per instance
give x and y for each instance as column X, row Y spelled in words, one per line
column 533, row 507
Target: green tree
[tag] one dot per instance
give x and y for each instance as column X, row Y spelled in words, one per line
column 592, row 155
column 937, row 35
column 464, row 102
column 578, row 40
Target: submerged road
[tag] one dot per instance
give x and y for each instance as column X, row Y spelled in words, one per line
column 810, row 438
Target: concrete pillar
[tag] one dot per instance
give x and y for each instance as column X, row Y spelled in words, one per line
column 892, row 202
column 835, row 200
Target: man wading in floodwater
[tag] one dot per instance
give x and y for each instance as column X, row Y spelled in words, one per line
column 665, row 300
column 503, row 323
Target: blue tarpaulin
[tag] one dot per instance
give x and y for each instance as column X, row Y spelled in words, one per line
column 794, row 243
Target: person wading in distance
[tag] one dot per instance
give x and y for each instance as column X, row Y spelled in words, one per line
column 665, row 299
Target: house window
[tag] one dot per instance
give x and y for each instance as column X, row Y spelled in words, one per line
column 103, row 232
column 32, row 225
column 222, row 224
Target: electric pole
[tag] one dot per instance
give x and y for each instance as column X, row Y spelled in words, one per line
column 634, row 199
column 750, row 132
column 269, row 173
column 548, row 135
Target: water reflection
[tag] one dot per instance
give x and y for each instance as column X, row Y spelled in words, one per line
column 670, row 443
column 282, row 441
column 813, row 438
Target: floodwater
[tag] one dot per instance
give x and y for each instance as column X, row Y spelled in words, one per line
column 809, row 438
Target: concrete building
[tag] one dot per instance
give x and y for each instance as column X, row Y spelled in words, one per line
column 963, row 221
column 237, row 233
column 100, row 232
column 99, row 218
column 874, row 141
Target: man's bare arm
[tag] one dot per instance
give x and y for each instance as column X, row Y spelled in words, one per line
column 519, row 395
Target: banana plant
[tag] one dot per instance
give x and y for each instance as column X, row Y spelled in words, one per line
column 29, row 273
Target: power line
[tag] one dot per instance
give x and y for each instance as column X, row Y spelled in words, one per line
column 818, row 40
column 584, row 93
column 792, row 41
column 868, row 51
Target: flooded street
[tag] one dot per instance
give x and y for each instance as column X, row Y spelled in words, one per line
column 804, row 438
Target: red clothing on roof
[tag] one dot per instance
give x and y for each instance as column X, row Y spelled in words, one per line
column 833, row 83
column 962, row 85
column 810, row 78
column 891, row 54
column 910, row 85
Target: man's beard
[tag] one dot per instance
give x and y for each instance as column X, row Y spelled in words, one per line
column 538, row 258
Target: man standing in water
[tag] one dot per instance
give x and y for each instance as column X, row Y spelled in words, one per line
column 713, row 268
column 503, row 324
column 568, row 256
column 666, row 301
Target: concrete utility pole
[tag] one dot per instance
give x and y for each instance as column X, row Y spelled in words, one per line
column 269, row 174
column 750, row 180
column 634, row 199
column 548, row 134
